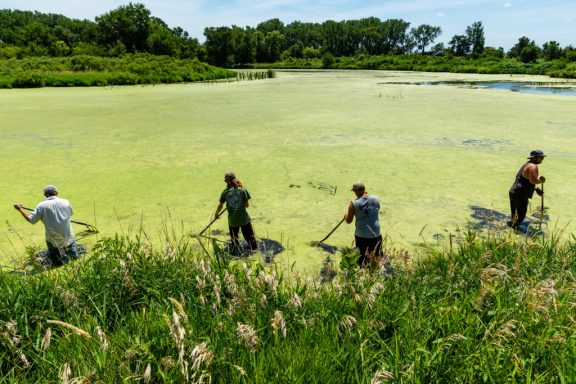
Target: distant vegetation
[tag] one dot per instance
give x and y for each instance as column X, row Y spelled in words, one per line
column 366, row 43
column 493, row 309
column 129, row 69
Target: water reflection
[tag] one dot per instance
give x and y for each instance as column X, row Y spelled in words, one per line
column 568, row 89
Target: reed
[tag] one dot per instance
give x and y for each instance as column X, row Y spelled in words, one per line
column 499, row 309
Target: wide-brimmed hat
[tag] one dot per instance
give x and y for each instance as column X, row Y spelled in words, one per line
column 536, row 153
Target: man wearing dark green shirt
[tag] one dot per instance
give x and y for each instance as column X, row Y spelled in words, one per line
column 236, row 199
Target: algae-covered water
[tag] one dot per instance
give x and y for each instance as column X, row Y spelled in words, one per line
column 154, row 156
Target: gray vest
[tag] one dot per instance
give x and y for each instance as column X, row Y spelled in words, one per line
column 366, row 211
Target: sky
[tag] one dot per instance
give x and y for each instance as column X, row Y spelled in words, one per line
column 504, row 21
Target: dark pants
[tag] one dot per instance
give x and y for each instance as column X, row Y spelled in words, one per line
column 369, row 248
column 59, row 256
column 518, row 209
column 248, row 234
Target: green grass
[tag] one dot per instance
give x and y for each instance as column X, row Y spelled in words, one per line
column 499, row 309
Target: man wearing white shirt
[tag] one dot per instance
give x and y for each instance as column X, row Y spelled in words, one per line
column 55, row 213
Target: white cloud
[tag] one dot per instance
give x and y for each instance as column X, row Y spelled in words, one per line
column 507, row 4
column 440, row 14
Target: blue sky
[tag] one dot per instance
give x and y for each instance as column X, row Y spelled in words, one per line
column 505, row 21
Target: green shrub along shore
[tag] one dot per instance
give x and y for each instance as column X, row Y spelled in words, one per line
column 494, row 309
column 130, row 69
column 429, row 63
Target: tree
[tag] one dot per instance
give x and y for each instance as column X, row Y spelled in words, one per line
column 271, row 26
column 551, row 50
column 396, row 39
column 128, row 24
column 525, row 50
column 218, row 45
column 459, row 45
column 424, row 35
column 475, row 36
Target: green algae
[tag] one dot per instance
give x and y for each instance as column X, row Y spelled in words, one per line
column 154, row 156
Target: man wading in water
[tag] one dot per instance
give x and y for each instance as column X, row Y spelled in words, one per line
column 367, row 235
column 524, row 187
column 236, row 199
column 55, row 213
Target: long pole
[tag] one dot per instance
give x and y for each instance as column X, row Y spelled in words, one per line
column 90, row 227
column 211, row 222
column 541, row 208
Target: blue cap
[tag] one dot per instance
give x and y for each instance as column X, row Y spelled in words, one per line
column 50, row 190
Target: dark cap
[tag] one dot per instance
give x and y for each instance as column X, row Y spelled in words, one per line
column 536, row 153
column 358, row 187
column 50, row 190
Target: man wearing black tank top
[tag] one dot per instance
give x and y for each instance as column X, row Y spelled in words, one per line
column 524, row 187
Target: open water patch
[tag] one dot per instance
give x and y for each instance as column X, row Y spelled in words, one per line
column 555, row 88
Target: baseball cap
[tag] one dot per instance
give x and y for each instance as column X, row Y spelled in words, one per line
column 358, row 187
column 49, row 190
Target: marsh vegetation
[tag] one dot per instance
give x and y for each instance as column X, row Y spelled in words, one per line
column 494, row 309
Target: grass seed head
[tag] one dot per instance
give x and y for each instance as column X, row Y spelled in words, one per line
column 45, row 343
column 279, row 324
column 247, row 336
column 71, row 327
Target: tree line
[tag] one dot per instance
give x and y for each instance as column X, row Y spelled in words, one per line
column 132, row 29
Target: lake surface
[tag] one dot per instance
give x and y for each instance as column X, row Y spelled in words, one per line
column 149, row 160
column 567, row 89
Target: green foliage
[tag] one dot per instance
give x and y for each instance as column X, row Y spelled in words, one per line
column 497, row 310
column 86, row 70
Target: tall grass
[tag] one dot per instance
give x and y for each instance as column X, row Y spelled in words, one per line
column 499, row 309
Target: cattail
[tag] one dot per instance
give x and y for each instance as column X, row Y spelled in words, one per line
column 45, row 343
column 102, row 338
column 279, row 324
column 147, row 374
column 247, row 336
column 381, row 376
column 179, row 307
column 76, row 330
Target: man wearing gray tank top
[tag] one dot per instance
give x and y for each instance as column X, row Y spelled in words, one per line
column 367, row 235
